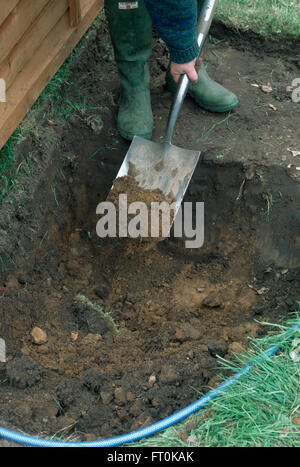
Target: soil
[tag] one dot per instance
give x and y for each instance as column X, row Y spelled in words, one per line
column 128, row 336
column 143, row 218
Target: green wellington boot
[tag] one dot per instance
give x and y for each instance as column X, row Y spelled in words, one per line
column 131, row 34
column 207, row 93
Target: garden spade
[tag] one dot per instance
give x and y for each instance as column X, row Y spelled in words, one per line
column 165, row 166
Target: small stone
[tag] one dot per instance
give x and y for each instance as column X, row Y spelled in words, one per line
column 203, row 347
column 236, row 347
column 39, row 336
column 106, row 397
column 120, row 396
column 213, row 300
column 217, row 347
column 136, row 408
column 74, row 336
column 91, row 339
column 187, row 332
column 267, row 88
column 169, row 375
column 155, row 402
column 152, row 380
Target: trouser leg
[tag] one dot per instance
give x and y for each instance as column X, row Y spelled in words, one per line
column 131, row 35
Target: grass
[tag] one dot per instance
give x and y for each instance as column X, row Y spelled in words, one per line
column 262, row 409
column 224, row 120
column 7, row 163
column 275, row 18
column 269, row 200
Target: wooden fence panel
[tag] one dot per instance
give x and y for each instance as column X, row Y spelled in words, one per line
column 36, row 74
column 6, row 9
column 17, row 23
column 86, row 4
column 75, row 13
column 31, row 41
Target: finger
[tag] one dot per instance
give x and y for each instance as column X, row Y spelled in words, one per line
column 193, row 75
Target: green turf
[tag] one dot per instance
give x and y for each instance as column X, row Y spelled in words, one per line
column 262, row 409
column 8, row 169
column 272, row 18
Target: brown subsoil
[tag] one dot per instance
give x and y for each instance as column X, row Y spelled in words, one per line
column 156, row 208
column 133, row 334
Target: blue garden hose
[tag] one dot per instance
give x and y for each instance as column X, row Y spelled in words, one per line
column 152, row 429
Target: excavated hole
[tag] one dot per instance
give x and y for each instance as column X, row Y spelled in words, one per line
column 133, row 332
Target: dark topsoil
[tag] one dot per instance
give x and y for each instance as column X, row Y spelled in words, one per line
column 134, row 333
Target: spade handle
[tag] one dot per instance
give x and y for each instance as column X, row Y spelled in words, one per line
column 204, row 23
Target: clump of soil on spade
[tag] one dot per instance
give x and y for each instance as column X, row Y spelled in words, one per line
column 155, row 207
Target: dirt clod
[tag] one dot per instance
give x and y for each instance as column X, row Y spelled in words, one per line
column 120, row 396
column 187, row 332
column 134, row 193
column 106, row 397
column 23, row 372
column 213, row 300
column 236, row 347
column 39, row 336
column 169, row 375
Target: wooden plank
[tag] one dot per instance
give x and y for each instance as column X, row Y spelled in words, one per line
column 31, row 41
column 6, row 8
column 75, row 13
column 17, row 23
column 85, row 4
column 38, row 72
